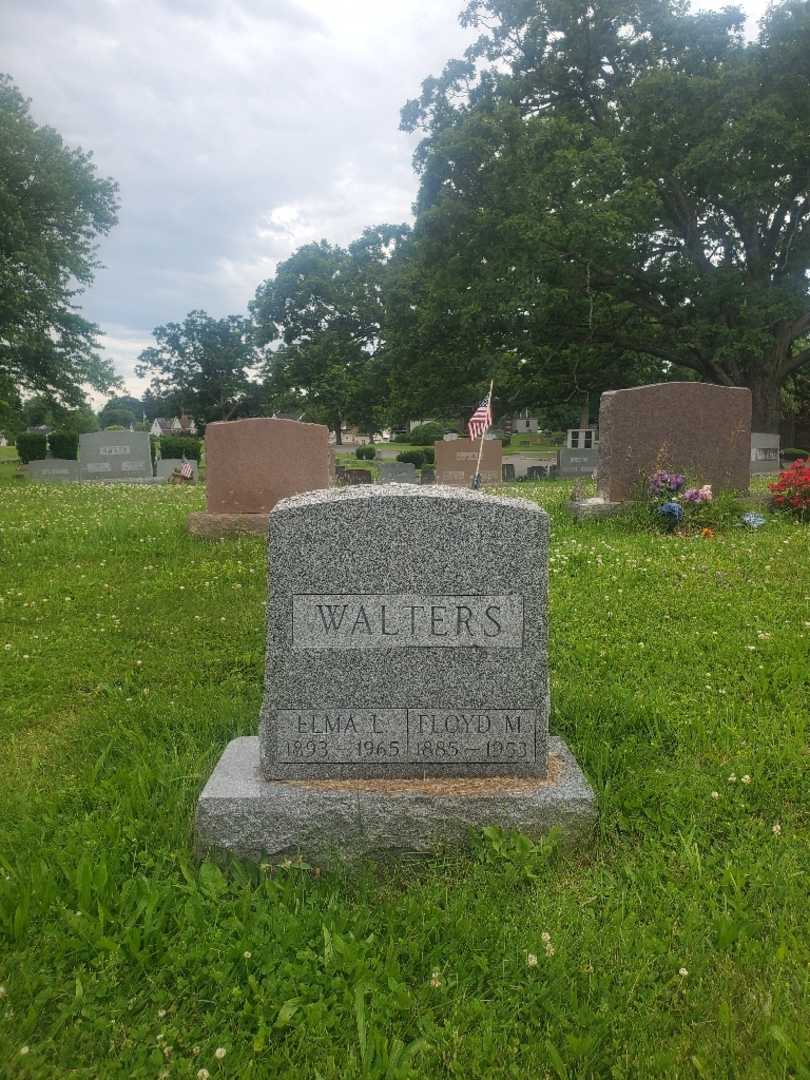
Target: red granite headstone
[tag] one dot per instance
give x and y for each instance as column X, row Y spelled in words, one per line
column 699, row 429
column 456, row 460
column 252, row 464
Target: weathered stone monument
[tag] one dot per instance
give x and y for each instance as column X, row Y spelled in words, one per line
column 699, row 429
column 398, row 472
column 115, row 455
column 54, row 471
column 428, row 475
column 765, row 453
column 579, row 456
column 456, row 461
column 165, row 468
column 406, row 691
column 251, row 465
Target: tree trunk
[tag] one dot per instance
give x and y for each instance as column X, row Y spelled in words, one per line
column 585, row 413
column 766, row 400
column 338, row 433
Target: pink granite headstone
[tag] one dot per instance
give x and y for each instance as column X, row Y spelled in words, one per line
column 699, row 429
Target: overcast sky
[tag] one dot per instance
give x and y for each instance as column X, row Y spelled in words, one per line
column 237, row 131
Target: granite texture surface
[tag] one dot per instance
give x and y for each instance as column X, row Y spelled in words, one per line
column 251, row 464
column 115, row 455
column 406, row 636
column 580, row 462
column 398, row 472
column 54, row 471
column 694, row 428
column 220, row 526
column 456, row 461
column 164, row 467
column 327, row 822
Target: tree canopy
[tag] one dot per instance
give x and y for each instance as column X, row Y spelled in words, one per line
column 202, row 366
column 53, row 209
column 619, row 188
column 325, row 307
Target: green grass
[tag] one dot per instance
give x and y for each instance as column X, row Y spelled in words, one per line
column 8, row 453
column 130, row 655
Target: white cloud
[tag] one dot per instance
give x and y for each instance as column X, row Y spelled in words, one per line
column 237, row 130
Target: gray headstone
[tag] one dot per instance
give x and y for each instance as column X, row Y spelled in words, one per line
column 508, row 472
column 428, row 476
column 165, row 467
column 765, row 449
column 398, row 472
column 54, row 470
column 580, row 462
column 407, row 635
column 356, row 476
column 115, row 455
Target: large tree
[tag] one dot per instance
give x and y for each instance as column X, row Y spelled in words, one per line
column 641, row 175
column 325, row 308
column 53, row 209
column 202, row 366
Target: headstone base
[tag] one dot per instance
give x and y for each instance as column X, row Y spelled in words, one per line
column 218, row 526
column 593, row 509
column 325, row 822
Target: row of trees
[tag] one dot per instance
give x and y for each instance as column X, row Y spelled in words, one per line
column 610, row 193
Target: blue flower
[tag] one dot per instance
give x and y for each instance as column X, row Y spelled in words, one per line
column 752, row 520
column 671, row 512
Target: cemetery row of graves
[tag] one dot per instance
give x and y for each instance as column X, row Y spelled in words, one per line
column 408, row 780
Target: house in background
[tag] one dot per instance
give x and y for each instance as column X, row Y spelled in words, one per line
column 180, row 425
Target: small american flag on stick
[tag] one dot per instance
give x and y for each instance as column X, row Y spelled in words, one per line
column 187, row 470
column 481, row 419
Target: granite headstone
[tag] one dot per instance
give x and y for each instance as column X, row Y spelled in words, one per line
column 765, row 453
column 165, row 468
column 700, row 429
column 54, row 471
column 115, row 455
column 456, row 462
column 251, row 465
column 406, row 688
column 398, row 472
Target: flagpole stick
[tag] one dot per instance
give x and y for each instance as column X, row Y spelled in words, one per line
column 481, row 447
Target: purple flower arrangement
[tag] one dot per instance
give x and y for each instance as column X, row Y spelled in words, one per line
column 671, row 499
column 663, row 484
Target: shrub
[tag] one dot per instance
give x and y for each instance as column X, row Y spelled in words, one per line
column 792, row 454
column 412, row 457
column 427, row 434
column 115, row 427
column 31, row 446
column 177, row 446
column 791, row 492
column 64, row 444
column 366, row 453
column 429, row 455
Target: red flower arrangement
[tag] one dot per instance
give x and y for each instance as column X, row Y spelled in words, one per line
column 791, row 491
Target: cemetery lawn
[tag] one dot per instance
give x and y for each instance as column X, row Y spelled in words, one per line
column 676, row 944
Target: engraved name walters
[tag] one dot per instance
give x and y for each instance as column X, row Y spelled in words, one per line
column 380, row 621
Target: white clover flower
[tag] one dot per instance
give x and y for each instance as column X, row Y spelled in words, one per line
column 247, row 954
column 776, row 828
column 732, row 778
column 24, row 1050
column 203, row 1074
column 746, row 779
column 531, row 960
column 549, row 949
column 161, row 1013
column 220, row 1053
column 715, row 794
column 683, row 972
column 545, row 937
column 435, row 978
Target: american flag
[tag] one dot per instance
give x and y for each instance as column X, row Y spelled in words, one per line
column 187, row 470
column 481, row 419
